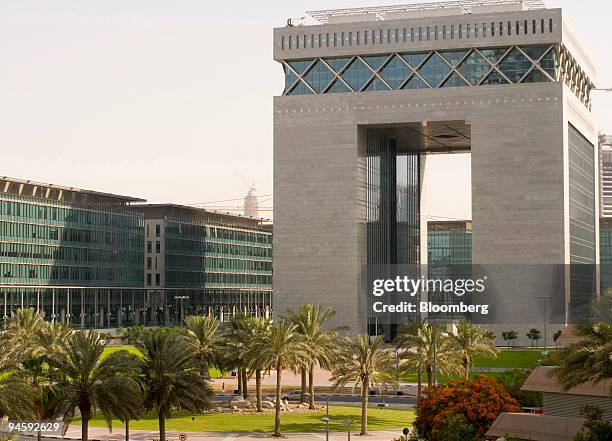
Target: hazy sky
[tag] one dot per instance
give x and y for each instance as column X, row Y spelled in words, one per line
column 172, row 100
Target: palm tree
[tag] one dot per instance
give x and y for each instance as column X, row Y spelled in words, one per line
column 469, row 341
column 89, row 382
column 367, row 363
column 172, row 376
column 206, row 337
column 22, row 327
column 236, row 345
column 424, row 347
column 282, row 348
column 16, row 395
column 588, row 360
column 311, row 320
column 51, row 337
column 256, row 329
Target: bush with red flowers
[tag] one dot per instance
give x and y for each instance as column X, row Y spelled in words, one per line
column 478, row 401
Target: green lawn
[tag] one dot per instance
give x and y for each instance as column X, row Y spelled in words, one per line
column 248, row 423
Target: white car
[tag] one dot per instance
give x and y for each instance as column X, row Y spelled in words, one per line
column 295, row 395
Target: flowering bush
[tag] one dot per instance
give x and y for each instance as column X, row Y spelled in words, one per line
column 479, row 401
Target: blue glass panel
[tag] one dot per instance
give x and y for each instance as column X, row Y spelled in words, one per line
column 300, row 66
column 535, row 52
column 376, row 61
column 455, row 80
column 474, row 68
column 337, row 87
column 319, row 76
column 515, row 65
column 337, row 63
column 376, row 84
column 493, row 55
column 434, row 70
column 535, row 76
column 356, row 74
column 395, row 72
column 415, row 83
column 290, row 78
column 300, row 89
column 415, row 60
column 548, row 63
column 453, row 57
column 494, row 78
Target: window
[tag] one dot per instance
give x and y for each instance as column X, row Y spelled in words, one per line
column 533, row 30
column 149, row 279
column 157, row 230
column 155, row 262
column 460, row 31
column 542, row 26
column 428, row 33
column 452, row 32
column 335, row 39
column 320, row 40
column 420, row 33
column 365, row 37
column 373, row 37
column 311, row 41
column 484, row 29
column 381, row 39
column 468, row 30
column 518, row 28
column 350, row 40
column 411, row 34
column 443, row 32
column 327, row 40
column 476, row 30
column 157, row 279
column 149, row 263
column 358, row 38
column 405, row 35
column 157, row 246
column 525, row 27
column 435, row 33
column 492, row 29
column 550, row 25
column 282, row 47
column 290, row 42
column 501, row 29
column 148, row 224
column 297, row 41
column 149, row 247
column 509, row 28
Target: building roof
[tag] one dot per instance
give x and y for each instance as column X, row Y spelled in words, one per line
column 466, row 7
column 540, row 380
column 41, row 185
column 179, row 211
column 535, row 427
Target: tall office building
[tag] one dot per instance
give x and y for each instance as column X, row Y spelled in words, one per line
column 201, row 262
column 605, row 175
column 76, row 255
column 370, row 92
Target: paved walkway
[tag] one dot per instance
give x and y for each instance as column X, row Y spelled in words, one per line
column 145, row 435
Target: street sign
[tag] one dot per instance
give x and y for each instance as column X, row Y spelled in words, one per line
column 183, row 437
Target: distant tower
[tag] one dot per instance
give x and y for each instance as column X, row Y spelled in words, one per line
column 251, row 206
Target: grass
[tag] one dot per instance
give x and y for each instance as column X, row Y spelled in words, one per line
column 264, row 423
column 111, row 349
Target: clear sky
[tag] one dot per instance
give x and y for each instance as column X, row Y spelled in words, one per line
column 172, row 100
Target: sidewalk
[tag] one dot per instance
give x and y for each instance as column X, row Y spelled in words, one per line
column 146, row 435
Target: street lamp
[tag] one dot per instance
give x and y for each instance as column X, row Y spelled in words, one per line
column 326, row 420
column 181, row 298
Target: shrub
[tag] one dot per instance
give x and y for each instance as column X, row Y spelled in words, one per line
column 478, row 401
column 512, row 381
column 595, row 428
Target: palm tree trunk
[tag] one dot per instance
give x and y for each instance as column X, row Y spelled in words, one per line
column 39, row 436
column 258, row 389
column 466, row 367
column 239, row 378
column 311, row 398
column 84, row 428
column 304, row 385
column 277, row 432
column 429, row 376
column 364, row 406
column 245, row 382
column 127, row 430
column 162, row 427
column 419, row 383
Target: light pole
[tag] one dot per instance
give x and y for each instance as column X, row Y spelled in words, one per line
column 181, row 298
column 326, row 420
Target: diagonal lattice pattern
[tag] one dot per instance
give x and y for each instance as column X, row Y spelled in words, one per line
column 432, row 69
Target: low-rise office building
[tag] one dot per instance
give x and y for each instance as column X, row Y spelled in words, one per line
column 97, row 260
column 76, row 255
column 205, row 262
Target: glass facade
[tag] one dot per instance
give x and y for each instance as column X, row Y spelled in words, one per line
column 80, row 263
column 392, row 218
column 396, row 71
column 449, row 256
column 582, row 222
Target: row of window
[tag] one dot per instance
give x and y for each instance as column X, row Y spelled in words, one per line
column 199, row 279
column 118, row 239
column 215, row 263
column 77, row 275
column 203, row 231
column 421, row 33
column 108, row 308
column 23, row 253
column 396, row 71
column 185, row 246
column 41, row 211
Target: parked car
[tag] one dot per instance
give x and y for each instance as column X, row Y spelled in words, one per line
column 295, row 395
